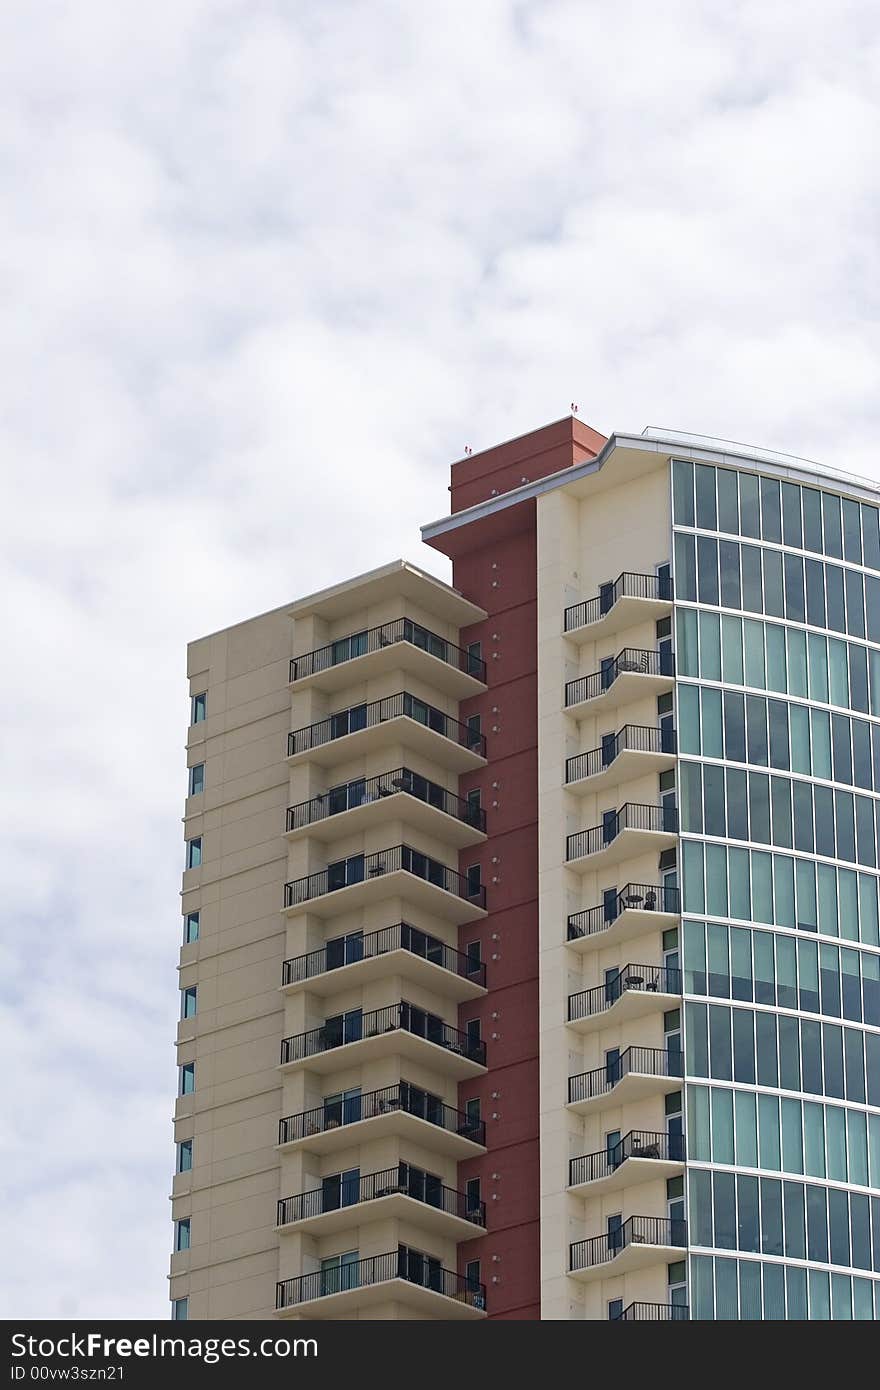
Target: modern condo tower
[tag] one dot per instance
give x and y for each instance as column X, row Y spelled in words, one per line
column 531, row 962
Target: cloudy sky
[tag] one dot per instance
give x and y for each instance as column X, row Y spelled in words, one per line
column 267, row 266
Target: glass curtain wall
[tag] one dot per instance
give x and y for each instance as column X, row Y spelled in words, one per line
column 777, row 589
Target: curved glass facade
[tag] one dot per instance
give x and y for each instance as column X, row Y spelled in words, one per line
column 777, row 590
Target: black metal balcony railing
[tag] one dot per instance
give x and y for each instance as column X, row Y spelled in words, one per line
column 356, row 1026
column 399, row 1181
column 350, row 721
column 347, row 950
column 635, row 660
column 640, row 1061
column 373, row 639
column 639, row 1143
column 631, row 816
column 368, row 789
column 378, row 1269
column 360, row 867
column 653, row 1312
column 637, row 738
column 627, row 585
column 640, row 897
column 351, row 1109
column 631, row 979
column 638, row 1230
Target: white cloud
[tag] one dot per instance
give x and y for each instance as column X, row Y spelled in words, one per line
column 267, row 268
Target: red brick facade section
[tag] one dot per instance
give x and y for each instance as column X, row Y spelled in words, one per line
column 495, row 565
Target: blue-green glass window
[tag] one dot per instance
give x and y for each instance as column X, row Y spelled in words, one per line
column 872, row 606
column 185, row 1156
column 762, row 886
column 823, row 802
column 835, row 608
column 713, row 792
column 750, row 560
column 796, row 654
column 854, row 1064
column 742, row 986
column 771, row 510
column 187, row 1078
column 691, row 793
column 744, row 1046
column 686, row 568
column 732, row 649
column 716, row 880
column 802, row 803
column 718, row 959
column 838, row 1229
column 747, row 1212
column 808, row 976
column 689, row 718
column 777, row 716
column 722, row 1125
column 811, row 502
column 796, row 1293
column 861, row 753
column 728, row 501
column 792, row 529
column 832, row 1058
column 759, row 807
column 817, row 1224
column 795, row 1223
column 863, row 1300
column 820, row 1301
column 838, row 672
column 860, row 697
column 814, row 1139
column 740, row 884
column 844, row 816
column 786, row 974
column 774, row 604
column 731, row 587
column 795, row 598
column 702, row 1287
column 780, row 792
column 190, row 928
column 770, row 1216
column 734, row 726
column 768, row 1132
column 860, row 1225
column 683, row 492
column 757, row 745
column 855, row 603
column 831, row 528
column 783, row 891
column 852, row 531
column 815, row 577
column 826, row 882
column 697, row 1040
column 704, row 478
column 857, row 1146
column 869, row 922
column 818, row 667
column 707, row 569
column 749, row 1291
column 749, row 505
column 699, row 1132
column 692, row 876
column 746, row 1119
column 841, row 749
column 700, row 1230
column 694, row 957
column 792, row 1136
column 777, row 677
column 720, row 1051
column 767, row 1048
column 712, row 723
column 753, row 643
column 821, row 743
column 737, row 801
column 871, row 989
column 805, row 876
column 850, row 985
column 687, row 645
column 710, row 647
column 773, row 1280
column 871, row 537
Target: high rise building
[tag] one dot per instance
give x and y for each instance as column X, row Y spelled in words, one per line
column 531, row 961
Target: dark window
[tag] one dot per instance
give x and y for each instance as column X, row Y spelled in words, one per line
column 474, row 957
column 473, row 874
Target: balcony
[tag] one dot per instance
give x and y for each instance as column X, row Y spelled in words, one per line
column 398, row 1030
column 638, row 908
column 395, row 795
column 653, row 1312
column 409, row 1195
column 398, row 950
column 354, row 1289
column 639, row 1242
column 401, row 718
column 632, row 598
column 402, row 1110
column 640, row 1156
column 632, row 751
column 634, row 672
column 633, row 829
column 635, row 991
column 400, row 871
column 400, row 644
column 637, row 1073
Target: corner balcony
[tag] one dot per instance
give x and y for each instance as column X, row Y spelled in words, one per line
column 635, row 991
column 640, row 1156
column 637, row 1073
column 637, row 909
column 634, row 672
column 394, row 1192
column 400, row 644
column 640, row 1242
column 401, row 1110
column 398, row 1030
column 632, row 751
column 400, row 871
column 631, row 598
column 422, row 1285
column 398, row 794
column 632, row 830
column 401, row 719
column 398, row 950
column 653, row 1312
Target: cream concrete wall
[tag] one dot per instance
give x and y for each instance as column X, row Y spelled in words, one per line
column 239, row 1173
column 584, row 541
